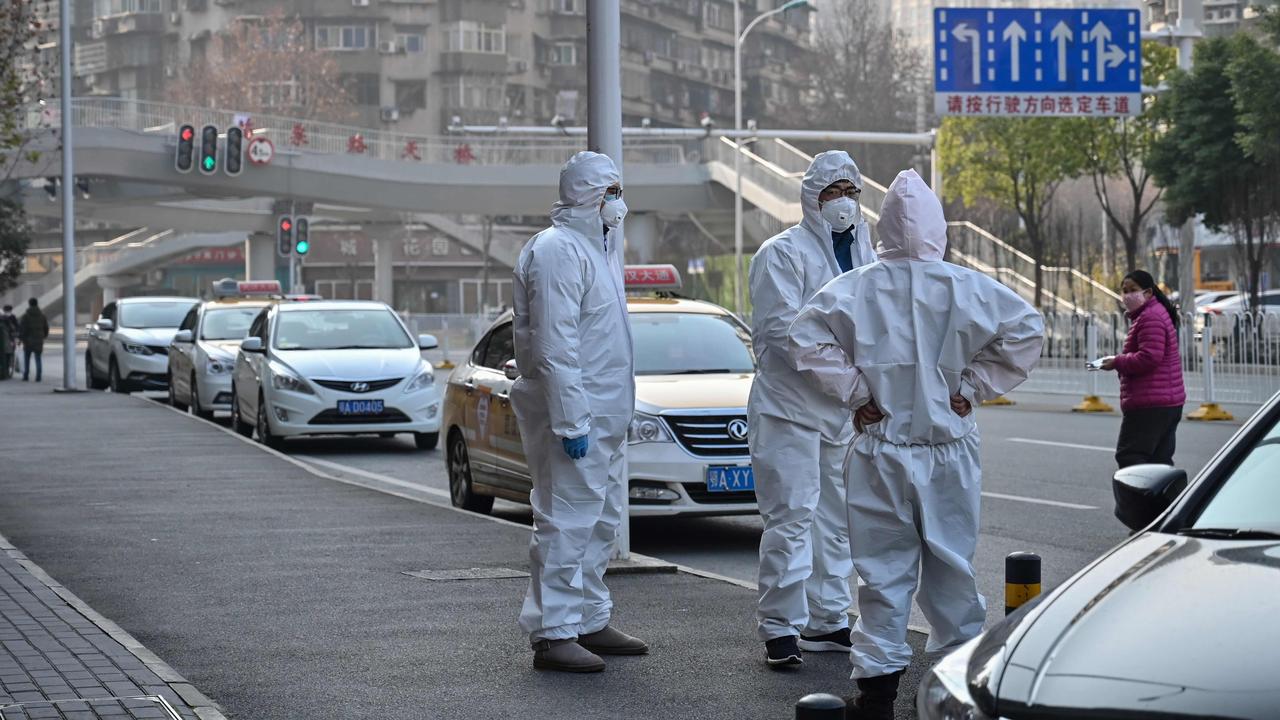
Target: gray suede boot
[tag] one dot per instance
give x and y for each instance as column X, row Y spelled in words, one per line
column 613, row 642
column 565, row 656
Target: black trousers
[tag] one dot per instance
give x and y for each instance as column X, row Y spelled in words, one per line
column 1148, row 435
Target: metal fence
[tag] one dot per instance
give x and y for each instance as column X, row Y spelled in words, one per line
column 1225, row 358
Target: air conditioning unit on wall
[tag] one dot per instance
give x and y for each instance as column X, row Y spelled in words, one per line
column 359, row 3
column 388, row 47
column 390, row 114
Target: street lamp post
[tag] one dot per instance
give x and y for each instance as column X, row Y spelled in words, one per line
column 740, row 35
column 68, row 204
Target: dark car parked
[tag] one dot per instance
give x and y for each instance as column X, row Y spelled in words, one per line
column 1181, row 621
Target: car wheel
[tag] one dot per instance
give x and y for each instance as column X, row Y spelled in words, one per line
column 173, row 396
column 91, row 378
column 195, row 402
column 237, row 419
column 114, row 381
column 426, row 441
column 461, row 493
column 275, row 442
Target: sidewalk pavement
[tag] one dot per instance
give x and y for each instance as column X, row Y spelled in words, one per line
column 283, row 594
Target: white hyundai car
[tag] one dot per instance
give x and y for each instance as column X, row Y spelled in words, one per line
column 334, row 367
column 129, row 344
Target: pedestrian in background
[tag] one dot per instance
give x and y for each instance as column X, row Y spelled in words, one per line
column 32, row 330
column 8, row 318
column 8, row 340
column 1150, row 368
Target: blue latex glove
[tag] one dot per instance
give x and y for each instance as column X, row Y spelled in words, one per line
column 576, row 448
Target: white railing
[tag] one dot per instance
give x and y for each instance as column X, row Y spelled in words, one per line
column 1245, row 352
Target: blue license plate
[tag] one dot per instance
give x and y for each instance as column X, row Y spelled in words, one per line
column 730, row 478
column 360, row 407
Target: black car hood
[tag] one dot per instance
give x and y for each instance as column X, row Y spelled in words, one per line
column 1163, row 627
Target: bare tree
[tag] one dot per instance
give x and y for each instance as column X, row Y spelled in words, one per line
column 266, row 65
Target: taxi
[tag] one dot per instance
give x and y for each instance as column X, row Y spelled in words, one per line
column 687, row 444
column 203, row 352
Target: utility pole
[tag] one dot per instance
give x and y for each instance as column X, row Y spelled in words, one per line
column 1190, row 22
column 68, row 206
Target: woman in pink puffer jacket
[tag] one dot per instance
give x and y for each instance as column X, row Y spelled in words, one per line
column 1151, row 388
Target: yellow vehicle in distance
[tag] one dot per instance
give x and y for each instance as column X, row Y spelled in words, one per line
column 687, row 451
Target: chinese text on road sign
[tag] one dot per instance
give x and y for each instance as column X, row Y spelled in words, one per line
column 1037, row 62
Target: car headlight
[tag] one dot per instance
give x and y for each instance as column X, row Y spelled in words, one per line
column 944, row 691
column 220, row 366
column 283, row 379
column 135, row 348
column 425, row 379
column 647, row 428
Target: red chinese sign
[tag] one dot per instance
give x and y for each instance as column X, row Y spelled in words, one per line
column 650, row 276
column 1047, row 105
column 214, row 256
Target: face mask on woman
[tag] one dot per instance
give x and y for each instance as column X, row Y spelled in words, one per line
column 1134, row 300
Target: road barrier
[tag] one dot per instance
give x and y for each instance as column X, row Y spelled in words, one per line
column 820, row 706
column 1232, row 358
column 1021, row 579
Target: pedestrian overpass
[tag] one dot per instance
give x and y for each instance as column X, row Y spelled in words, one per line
column 361, row 175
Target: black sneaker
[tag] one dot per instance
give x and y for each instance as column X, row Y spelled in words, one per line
column 783, row 651
column 837, row 641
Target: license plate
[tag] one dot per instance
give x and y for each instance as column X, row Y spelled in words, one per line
column 360, row 407
column 730, row 478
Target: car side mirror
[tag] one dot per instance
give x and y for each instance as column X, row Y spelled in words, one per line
column 428, row 342
column 183, row 336
column 106, row 325
column 510, row 370
column 1143, row 492
column 252, row 345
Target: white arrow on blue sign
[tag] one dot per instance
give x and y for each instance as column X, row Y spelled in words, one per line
column 1020, row 62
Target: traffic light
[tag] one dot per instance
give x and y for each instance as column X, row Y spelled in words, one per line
column 186, row 149
column 235, row 151
column 209, row 149
column 301, row 236
column 284, row 235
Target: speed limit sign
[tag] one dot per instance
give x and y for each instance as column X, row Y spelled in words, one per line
column 261, row 151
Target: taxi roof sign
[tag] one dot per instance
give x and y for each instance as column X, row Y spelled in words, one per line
column 228, row 287
column 651, row 277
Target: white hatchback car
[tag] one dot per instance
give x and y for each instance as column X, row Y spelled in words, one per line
column 334, row 367
column 129, row 344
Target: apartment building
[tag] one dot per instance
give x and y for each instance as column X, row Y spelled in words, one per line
column 1221, row 17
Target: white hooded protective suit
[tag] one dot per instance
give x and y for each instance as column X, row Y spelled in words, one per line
column 909, row 332
column 573, row 349
column 797, row 433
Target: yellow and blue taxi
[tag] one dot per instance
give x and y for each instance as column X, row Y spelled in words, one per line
column 687, row 451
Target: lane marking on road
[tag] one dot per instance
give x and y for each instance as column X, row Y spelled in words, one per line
column 1039, row 501
column 339, row 467
column 1053, row 443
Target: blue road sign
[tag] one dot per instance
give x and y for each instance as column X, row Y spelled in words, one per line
column 990, row 61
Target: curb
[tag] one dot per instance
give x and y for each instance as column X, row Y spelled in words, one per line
column 200, row 704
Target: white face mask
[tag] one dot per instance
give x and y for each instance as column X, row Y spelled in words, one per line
column 842, row 213
column 613, row 212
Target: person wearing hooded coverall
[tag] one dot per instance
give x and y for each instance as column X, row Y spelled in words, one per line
column 574, row 401
column 913, row 343
column 797, row 434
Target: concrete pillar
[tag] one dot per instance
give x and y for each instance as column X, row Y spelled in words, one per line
column 260, row 257
column 642, row 237
column 112, row 285
column 383, row 270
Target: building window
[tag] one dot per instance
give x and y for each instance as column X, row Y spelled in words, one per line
column 363, row 88
column 278, row 94
column 563, row 53
column 470, row 36
column 342, row 37
column 568, row 7
column 107, row 8
column 412, row 43
column 474, row 94
column 411, row 95
column 717, row 58
column 717, row 16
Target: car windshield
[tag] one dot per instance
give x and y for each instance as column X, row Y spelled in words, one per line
column 690, row 344
column 228, row 323
column 1249, row 499
column 340, row 330
column 153, row 314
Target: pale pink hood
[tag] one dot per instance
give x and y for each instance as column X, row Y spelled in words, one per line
column 912, row 224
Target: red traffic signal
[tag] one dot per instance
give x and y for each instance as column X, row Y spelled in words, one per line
column 184, row 158
column 285, row 225
column 284, row 236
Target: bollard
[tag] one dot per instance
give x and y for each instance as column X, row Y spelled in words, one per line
column 1208, row 410
column 1021, row 579
column 446, row 363
column 1091, row 403
column 820, row 706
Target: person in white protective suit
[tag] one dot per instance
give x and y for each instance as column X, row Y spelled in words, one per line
column 574, row 401
column 913, row 343
column 797, row 434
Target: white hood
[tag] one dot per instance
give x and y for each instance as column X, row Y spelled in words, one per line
column 155, row 337
column 826, row 168
column 912, row 224
column 583, row 180
column 352, row 364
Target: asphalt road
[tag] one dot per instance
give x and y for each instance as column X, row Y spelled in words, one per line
column 1046, row 490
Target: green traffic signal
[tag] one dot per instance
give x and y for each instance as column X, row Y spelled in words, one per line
column 302, row 247
column 208, row 163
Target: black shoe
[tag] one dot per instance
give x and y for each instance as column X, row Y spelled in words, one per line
column 837, row 641
column 783, row 651
column 875, row 699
